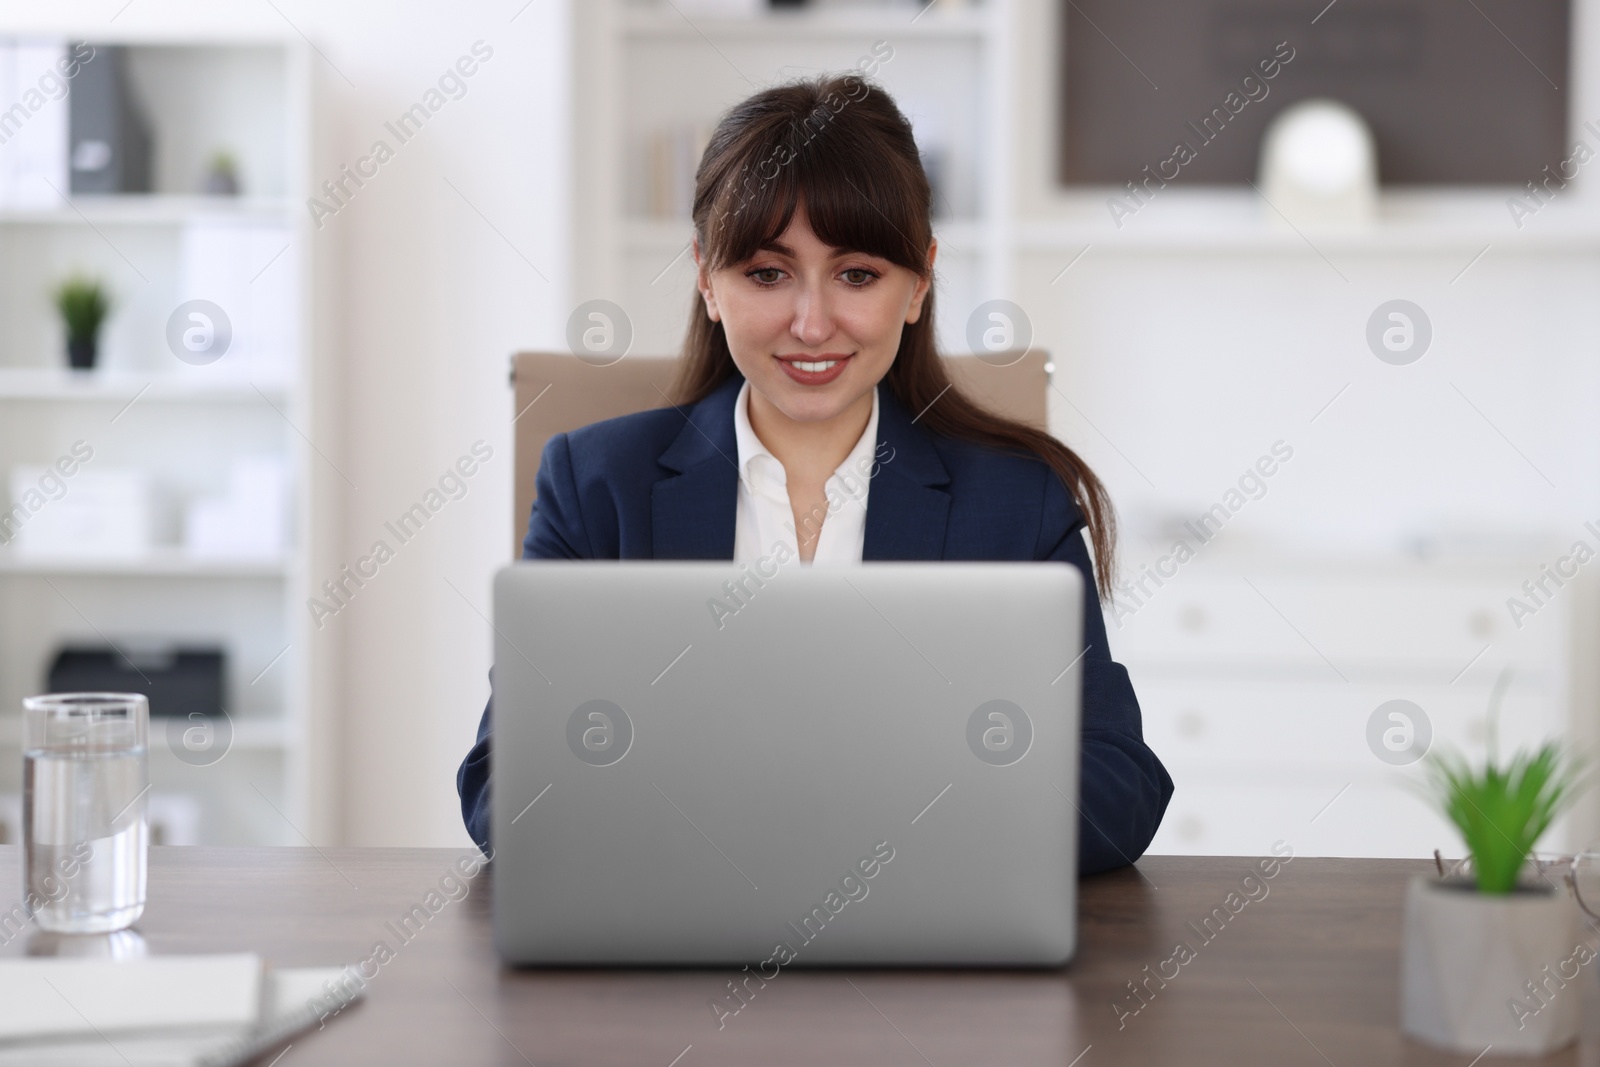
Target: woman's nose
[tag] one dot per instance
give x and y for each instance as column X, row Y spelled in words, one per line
column 813, row 317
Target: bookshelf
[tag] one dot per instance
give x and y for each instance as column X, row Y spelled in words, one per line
column 184, row 426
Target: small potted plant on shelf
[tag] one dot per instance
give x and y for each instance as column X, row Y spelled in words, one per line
column 1490, row 962
column 83, row 306
column 222, row 175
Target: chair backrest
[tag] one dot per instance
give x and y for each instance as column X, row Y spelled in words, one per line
column 557, row 392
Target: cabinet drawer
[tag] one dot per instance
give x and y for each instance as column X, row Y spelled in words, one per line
column 1318, row 815
column 1351, row 624
column 1281, row 724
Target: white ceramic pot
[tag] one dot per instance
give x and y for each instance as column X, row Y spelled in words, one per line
column 1478, row 970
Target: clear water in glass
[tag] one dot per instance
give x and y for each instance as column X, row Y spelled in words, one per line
column 84, row 780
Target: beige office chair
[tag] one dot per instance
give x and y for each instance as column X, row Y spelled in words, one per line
column 557, row 392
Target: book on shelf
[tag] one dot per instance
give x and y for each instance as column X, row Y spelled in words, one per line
column 33, row 124
column 672, row 156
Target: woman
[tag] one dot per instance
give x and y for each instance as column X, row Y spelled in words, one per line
column 813, row 413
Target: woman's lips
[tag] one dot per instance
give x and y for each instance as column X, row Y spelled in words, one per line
column 818, row 370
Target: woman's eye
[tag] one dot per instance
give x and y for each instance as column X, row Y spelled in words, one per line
column 859, row 277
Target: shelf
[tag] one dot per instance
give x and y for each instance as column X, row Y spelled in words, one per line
column 1262, row 237
column 59, row 383
column 1221, row 220
column 252, row 734
column 256, row 733
column 166, row 562
column 894, row 24
column 1219, row 223
column 149, row 209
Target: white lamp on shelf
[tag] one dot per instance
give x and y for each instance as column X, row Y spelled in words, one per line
column 1319, row 166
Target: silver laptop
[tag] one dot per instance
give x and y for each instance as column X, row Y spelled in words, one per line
column 710, row 763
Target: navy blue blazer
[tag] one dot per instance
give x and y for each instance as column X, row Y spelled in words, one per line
column 663, row 484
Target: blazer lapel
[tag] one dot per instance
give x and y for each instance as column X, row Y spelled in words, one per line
column 692, row 514
column 906, row 512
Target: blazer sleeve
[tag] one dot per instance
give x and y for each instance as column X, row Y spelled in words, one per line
column 555, row 531
column 1123, row 789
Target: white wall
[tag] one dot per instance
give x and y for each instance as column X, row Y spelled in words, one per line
column 433, row 287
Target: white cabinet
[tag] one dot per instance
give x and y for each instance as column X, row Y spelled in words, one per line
column 1260, row 680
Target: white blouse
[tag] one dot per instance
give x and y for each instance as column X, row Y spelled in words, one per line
column 764, row 519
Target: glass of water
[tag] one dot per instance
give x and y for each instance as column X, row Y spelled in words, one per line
column 85, row 773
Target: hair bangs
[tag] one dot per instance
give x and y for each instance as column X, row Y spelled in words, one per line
column 848, row 201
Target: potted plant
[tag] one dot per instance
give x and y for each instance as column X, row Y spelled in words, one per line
column 1489, row 962
column 83, row 305
column 222, row 175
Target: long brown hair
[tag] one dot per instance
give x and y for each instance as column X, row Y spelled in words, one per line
column 840, row 145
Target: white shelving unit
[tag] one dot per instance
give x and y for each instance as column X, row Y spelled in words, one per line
column 183, row 425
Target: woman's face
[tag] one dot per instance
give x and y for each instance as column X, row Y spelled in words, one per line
column 812, row 328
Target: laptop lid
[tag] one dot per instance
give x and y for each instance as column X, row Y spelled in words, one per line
column 711, row 763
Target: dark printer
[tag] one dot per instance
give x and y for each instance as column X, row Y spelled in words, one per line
column 177, row 680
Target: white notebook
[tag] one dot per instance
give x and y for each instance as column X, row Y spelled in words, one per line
column 162, row 1011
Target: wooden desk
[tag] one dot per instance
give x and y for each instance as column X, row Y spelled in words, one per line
column 1307, row 974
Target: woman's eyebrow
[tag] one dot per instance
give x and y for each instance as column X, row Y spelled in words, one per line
column 784, row 250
